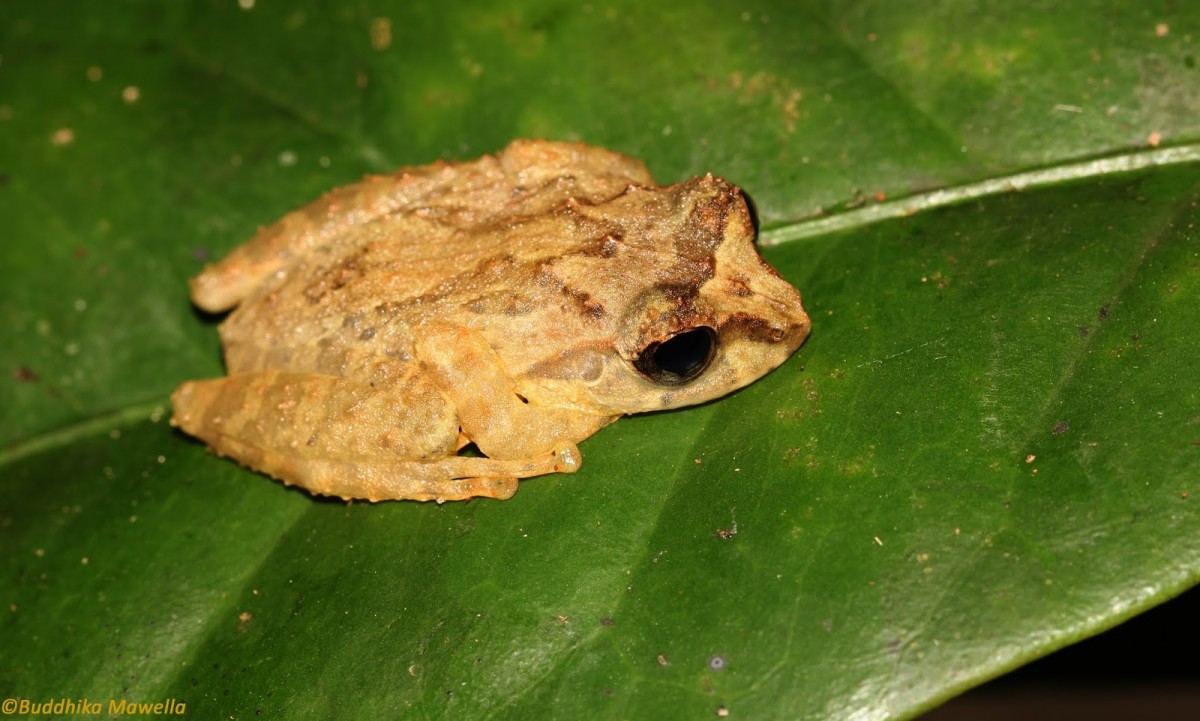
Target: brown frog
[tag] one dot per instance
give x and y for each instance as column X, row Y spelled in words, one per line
column 519, row 303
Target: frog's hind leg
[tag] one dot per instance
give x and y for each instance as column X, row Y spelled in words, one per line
column 337, row 437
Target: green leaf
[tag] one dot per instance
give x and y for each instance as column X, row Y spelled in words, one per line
column 984, row 452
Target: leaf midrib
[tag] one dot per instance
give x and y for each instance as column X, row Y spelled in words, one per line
column 816, row 226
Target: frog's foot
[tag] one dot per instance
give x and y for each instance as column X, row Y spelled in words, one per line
column 381, row 479
column 448, row 479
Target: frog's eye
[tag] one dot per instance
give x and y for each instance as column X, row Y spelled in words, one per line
column 680, row 358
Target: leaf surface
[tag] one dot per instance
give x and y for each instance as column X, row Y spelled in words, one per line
column 984, row 452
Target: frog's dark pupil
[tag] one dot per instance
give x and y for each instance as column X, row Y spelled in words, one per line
column 680, row 358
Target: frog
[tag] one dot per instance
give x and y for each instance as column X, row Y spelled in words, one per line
column 443, row 331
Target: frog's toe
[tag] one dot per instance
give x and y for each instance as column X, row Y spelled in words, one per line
column 499, row 487
column 567, row 458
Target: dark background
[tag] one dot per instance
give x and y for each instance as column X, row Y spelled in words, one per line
column 1146, row 668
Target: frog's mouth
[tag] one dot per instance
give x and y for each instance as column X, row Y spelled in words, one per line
column 681, row 358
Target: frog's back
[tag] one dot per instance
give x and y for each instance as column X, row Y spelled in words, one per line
column 351, row 274
column 528, row 177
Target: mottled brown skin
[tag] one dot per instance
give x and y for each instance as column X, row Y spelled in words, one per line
column 515, row 302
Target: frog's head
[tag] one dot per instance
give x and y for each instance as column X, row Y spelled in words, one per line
column 724, row 321
column 700, row 313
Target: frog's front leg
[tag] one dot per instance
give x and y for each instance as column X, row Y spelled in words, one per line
column 491, row 412
column 338, row 437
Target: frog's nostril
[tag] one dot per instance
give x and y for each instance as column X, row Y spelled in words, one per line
column 680, row 358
